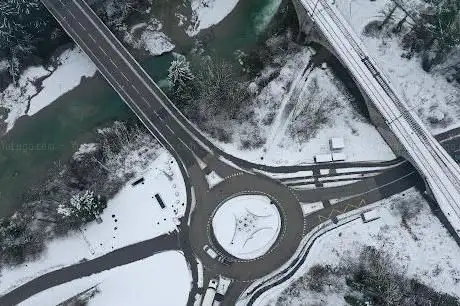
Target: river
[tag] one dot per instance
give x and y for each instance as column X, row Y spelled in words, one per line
column 37, row 143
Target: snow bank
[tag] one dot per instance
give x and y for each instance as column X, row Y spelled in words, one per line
column 209, row 12
column 27, row 98
column 73, row 66
column 133, row 215
column 163, row 279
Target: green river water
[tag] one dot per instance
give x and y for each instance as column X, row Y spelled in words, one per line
column 31, row 148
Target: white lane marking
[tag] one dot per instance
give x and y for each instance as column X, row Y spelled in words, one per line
column 125, row 76
column 70, row 12
column 92, row 37
column 135, row 88
column 102, row 50
column 167, row 126
column 81, row 26
column 147, row 102
column 113, row 63
column 185, row 144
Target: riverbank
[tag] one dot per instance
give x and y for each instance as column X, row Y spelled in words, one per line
column 30, row 149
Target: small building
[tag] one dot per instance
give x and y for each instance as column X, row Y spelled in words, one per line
column 338, row 156
column 337, row 143
column 323, row 158
column 369, row 216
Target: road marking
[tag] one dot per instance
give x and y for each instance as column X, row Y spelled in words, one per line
column 103, row 51
column 92, row 37
column 183, row 142
column 167, row 126
column 72, row 14
column 113, row 63
column 125, row 77
column 135, row 88
column 81, row 25
column 147, row 103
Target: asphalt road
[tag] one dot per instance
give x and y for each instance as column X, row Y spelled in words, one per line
column 247, row 270
column 111, row 260
column 186, row 144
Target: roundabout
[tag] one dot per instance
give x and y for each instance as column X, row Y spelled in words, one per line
column 268, row 235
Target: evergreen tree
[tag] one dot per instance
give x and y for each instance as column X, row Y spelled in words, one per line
column 180, row 73
column 86, row 206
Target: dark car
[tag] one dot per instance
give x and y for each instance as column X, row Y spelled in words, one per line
column 225, row 261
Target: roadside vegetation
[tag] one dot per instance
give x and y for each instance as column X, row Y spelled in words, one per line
column 373, row 278
column 28, row 35
column 76, row 192
column 236, row 99
column 430, row 29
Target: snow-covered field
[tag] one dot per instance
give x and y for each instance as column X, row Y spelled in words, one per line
column 207, row 13
column 423, row 249
column 309, row 110
column 27, row 98
column 133, row 215
column 435, row 99
column 163, row 279
column 246, row 226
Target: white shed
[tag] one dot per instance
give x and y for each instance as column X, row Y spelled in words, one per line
column 323, row 158
column 337, row 143
column 338, row 156
column 370, row 215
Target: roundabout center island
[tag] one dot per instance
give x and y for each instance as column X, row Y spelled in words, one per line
column 246, row 226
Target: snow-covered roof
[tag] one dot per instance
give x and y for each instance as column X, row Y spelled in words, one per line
column 338, row 156
column 323, row 158
column 337, row 143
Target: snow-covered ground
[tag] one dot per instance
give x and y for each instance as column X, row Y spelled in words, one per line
column 162, row 279
column 316, row 110
column 149, row 36
column 435, row 99
column 133, row 215
column 423, row 249
column 27, row 98
column 207, row 13
column 246, row 226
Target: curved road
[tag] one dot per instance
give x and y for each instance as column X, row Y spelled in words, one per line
column 187, row 145
column 291, row 231
column 111, row 260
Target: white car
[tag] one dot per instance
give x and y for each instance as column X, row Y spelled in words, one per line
column 210, row 251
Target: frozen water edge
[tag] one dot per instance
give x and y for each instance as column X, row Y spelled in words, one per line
column 208, row 13
column 72, row 66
